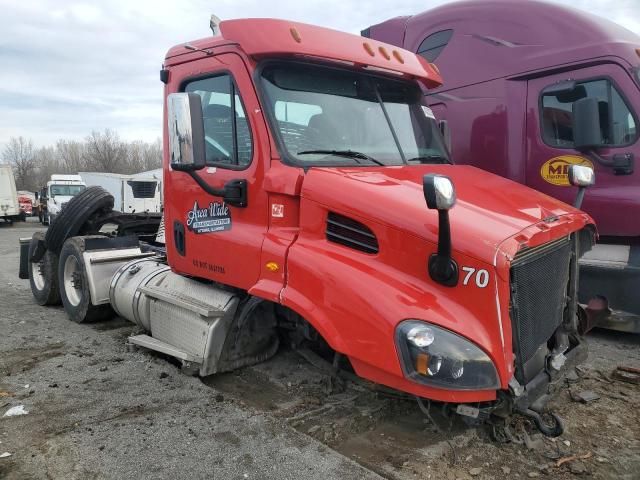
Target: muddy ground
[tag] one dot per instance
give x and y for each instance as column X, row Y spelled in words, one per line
column 97, row 410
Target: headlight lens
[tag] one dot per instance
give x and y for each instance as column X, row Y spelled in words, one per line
column 440, row 358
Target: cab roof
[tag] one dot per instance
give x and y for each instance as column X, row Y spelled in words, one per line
column 499, row 38
column 271, row 38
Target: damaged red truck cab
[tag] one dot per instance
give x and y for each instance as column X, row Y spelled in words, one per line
column 301, row 168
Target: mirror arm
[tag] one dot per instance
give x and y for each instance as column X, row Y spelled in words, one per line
column 579, row 197
column 442, row 268
column 234, row 192
column 592, row 154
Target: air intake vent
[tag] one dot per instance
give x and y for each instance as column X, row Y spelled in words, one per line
column 142, row 189
column 351, row 233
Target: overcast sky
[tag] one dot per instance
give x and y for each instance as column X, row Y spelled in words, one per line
column 69, row 67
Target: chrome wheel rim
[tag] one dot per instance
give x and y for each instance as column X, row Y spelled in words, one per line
column 72, row 280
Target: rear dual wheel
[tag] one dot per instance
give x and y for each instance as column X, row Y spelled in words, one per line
column 74, row 284
column 43, row 275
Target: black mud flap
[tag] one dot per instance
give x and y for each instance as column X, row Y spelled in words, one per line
column 23, row 269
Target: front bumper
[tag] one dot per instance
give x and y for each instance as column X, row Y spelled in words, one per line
column 537, row 392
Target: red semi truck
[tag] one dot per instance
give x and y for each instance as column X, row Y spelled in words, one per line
column 531, row 88
column 308, row 193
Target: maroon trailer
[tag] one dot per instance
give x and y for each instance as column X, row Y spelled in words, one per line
column 531, row 88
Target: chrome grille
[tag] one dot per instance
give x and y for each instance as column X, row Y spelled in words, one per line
column 539, row 279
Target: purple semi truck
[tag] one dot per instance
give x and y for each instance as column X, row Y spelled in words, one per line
column 529, row 89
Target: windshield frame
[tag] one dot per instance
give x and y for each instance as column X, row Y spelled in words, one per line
column 272, row 122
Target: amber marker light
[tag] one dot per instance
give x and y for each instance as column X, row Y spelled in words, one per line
column 272, row 266
column 384, row 53
column 397, row 56
column 369, row 49
column 296, row 36
column 422, row 364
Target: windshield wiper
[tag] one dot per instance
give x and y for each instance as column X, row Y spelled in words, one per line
column 343, row 153
column 429, row 159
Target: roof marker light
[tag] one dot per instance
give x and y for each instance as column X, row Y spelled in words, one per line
column 369, row 49
column 384, row 53
column 296, row 36
column 397, row 56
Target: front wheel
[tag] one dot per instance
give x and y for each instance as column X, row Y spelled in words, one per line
column 74, row 285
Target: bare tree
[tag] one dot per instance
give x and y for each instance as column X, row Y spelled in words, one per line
column 47, row 163
column 19, row 153
column 105, row 152
column 152, row 155
column 71, row 155
column 100, row 152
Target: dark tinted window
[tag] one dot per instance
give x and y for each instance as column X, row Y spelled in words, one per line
column 318, row 111
column 617, row 123
column 226, row 130
column 432, row 46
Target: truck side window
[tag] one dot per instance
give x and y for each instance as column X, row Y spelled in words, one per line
column 432, row 46
column 226, row 129
column 617, row 123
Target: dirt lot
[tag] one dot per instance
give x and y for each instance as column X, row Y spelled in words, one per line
column 97, row 410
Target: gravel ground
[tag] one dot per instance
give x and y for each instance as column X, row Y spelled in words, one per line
column 97, row 410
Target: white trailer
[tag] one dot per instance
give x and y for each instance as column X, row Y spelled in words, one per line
column 138, row 193
column 9, row 206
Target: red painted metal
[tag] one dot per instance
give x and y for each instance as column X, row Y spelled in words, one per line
column 267, row 37
column 277, row 247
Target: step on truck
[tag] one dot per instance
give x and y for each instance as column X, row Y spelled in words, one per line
column 530, row 89
column 309, row 198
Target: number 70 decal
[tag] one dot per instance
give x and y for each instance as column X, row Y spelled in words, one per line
column 481, row 276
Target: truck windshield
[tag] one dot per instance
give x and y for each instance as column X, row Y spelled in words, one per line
column 66, row 190
column 333, row 117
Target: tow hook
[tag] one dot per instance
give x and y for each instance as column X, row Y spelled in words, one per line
column 555, row 429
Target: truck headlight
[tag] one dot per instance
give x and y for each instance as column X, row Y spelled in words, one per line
column 439, row 358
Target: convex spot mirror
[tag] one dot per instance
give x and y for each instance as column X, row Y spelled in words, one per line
column 186, row 131
column 439, row 192
column 587, row 133
column 581, row 176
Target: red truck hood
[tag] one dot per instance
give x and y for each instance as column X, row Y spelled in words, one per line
column 489, row 208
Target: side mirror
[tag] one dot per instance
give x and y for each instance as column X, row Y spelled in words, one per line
column 582, row 177
column 440, row 195
column 586, row 124
column 186, row 132
column 438, row 192
column 445, row 131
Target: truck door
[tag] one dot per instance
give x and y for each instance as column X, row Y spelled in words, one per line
column 206, row 237
column 550, row 142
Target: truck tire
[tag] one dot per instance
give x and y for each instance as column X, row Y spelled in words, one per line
column 74, row 286
column 69, row 221
column 43, row 275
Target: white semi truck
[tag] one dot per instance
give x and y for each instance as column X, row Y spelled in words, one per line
column 59, row 190
column 9, row 207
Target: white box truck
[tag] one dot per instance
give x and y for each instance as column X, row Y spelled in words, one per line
column 9, row 207
column 136, row 193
